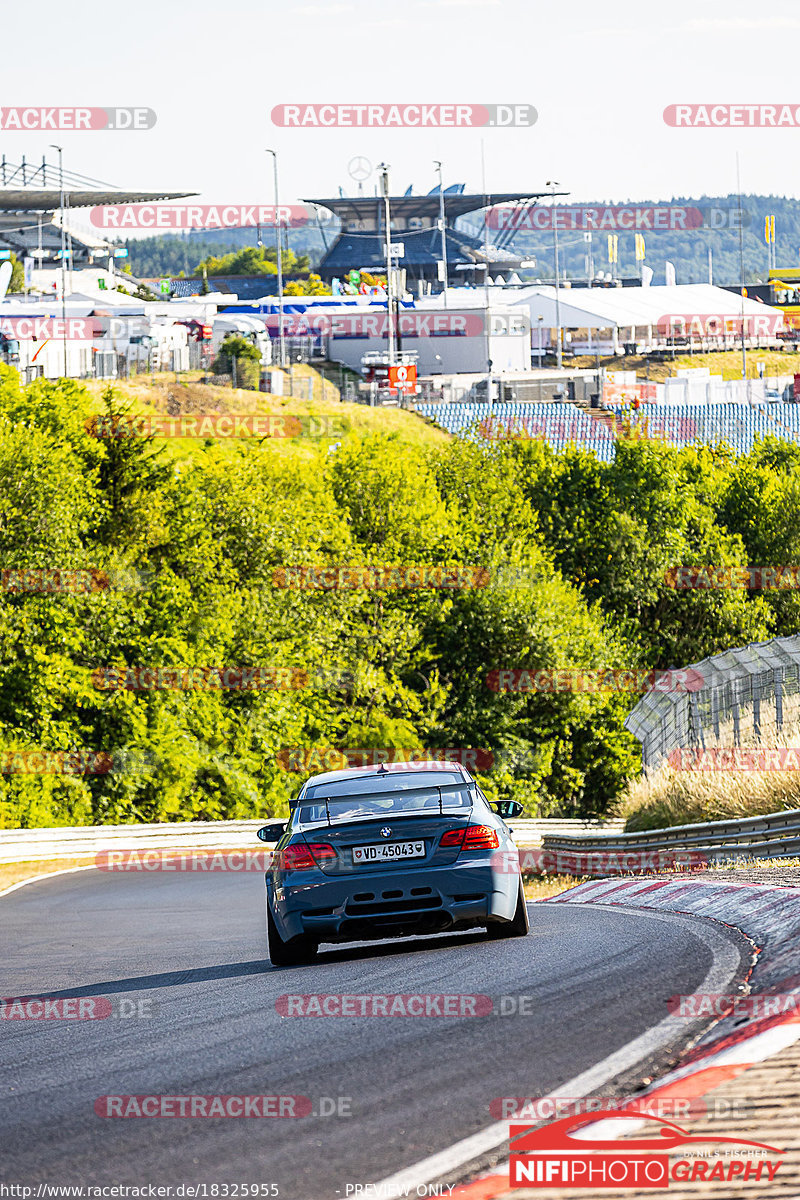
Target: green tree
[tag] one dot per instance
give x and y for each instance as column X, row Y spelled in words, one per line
column 313, row 286
column 130, row 471
column 239, row 357
column 255, row 260
column 17, row 281
column 617, row 529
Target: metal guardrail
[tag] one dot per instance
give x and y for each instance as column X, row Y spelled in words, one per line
column 81, row 841
column 775, row 835
column 529, row 831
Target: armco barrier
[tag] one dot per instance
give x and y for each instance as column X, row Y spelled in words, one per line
column 46, row 845
column 776, row 835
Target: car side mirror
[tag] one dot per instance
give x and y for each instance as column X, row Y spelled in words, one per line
column 272, row 832
column 508, row 809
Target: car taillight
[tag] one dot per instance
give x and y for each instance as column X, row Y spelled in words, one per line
column 474, row 837
column 481, row 837
column 301, row 857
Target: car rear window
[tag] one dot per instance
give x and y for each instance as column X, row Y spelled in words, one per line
column 410, row 795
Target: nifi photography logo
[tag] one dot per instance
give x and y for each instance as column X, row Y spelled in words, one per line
column 562, row 1155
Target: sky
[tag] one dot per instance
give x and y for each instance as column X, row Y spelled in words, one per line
column 599, row 76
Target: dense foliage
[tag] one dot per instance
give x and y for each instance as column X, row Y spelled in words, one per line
column 191, row 542
column 254, row 260
column 240, row 358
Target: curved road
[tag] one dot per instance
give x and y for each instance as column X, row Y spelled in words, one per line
column 193, row 948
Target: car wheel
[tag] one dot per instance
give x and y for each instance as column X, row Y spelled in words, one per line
column 518, row 926
column 297, row 950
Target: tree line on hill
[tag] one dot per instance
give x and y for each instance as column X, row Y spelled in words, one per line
column 193, row 546
column 687, row 250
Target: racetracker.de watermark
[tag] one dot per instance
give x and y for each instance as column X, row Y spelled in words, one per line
column 205, row 216
column 359, row 325
column 34, row 328
column 47, row 117
column 719, row 578
column 403, row 116
column 56, row 762
column 202, row 861
column 597, row 864
column 331, row 758
column 53, row 580
column 200, row 679
column 207, row 1107
column 76, row 1008
column 735, row 758
column 217, row 425
column 659, row 1108
column 720, row 325
column 373, row 1004
column 357, row 577
column 622, row 217
column 716, row 1004
column 732, row 116
column 599, row 679
column 185, row 678
column 595, row 217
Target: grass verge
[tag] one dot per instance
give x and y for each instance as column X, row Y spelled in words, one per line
column 189, row 396
column 11, row 873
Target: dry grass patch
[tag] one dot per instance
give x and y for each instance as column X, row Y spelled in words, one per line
column 670, row 796
column 542, row 887
column 11, row 873
column 727, row 363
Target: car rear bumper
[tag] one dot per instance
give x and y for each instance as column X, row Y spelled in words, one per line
column 392, row 903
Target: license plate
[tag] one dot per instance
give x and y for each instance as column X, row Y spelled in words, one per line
column 388, row 852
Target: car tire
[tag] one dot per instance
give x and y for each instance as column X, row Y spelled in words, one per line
column 518, row 925
column 297, row 950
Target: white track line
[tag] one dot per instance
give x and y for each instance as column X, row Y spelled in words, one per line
column 428, row 1170
column 47, row 875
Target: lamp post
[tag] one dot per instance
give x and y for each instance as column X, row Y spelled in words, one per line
column 438, row 166
column 281, row 338
column 540, row 357
column 741, row 272
column 552, row 184
column 384, row 170
column 63, row 254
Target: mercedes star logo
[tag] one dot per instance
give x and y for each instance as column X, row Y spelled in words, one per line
column 359, row 168
column 386, row 831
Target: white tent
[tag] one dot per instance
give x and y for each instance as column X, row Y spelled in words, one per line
column 632, row 313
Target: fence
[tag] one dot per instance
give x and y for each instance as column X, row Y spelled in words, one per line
column 81, row 841
column 735, row 696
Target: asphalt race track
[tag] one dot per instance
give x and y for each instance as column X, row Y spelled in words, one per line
column 193, row 947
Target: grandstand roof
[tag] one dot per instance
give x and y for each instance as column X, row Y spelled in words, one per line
column 21, row 200
column 363, row 208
